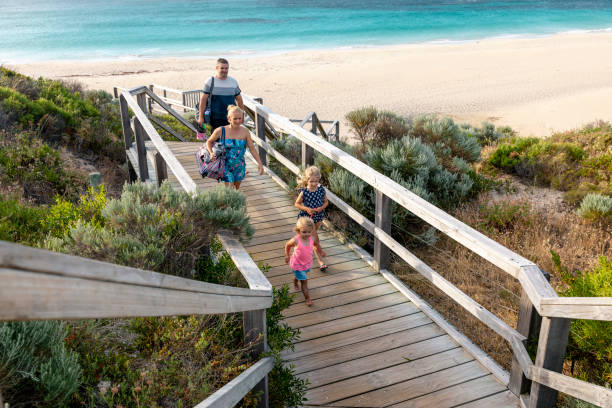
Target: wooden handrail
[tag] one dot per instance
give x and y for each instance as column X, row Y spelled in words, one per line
column 254, row 317
column 232, row 392
column 517, row 266
column 39, row 284
column 541, row 294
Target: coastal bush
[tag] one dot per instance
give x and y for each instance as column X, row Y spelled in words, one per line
column 35, row 365
column 20, row 223
column 64, row 214
column 590, row 345
column 578, row 162
column 362, row 122
column 37, row 168
column 61, row 113
column 158, row 229
column 596, row 207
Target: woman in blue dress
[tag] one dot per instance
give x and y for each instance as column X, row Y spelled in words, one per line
column 237, row 139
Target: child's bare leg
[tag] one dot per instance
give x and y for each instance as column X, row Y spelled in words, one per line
column 295, row 283
column 306, row 292
column 321, row 253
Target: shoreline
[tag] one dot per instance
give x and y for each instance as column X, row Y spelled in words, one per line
column 250, row 53
column 534, row 85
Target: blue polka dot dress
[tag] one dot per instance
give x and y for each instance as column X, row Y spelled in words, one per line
column 313, row 199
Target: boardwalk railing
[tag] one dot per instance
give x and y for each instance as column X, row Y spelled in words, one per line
column 541, row 379
column 535, row 383
column 39, row 284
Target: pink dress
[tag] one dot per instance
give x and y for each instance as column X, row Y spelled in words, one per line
column 301, row 259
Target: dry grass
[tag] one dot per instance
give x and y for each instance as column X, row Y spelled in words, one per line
column 529, row 232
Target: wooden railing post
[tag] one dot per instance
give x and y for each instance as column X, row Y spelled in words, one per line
column 260, row 132
column 161, row 171
column 382, row 219
column 141, row 150
column 254, row 327
column 184, row 99
column 552, row 343
column 308, row 151
column 337, row 131
column 529, row 323
column 150, row 100
column 127, row 135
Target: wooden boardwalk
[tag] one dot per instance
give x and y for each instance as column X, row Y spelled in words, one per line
column 363, row 343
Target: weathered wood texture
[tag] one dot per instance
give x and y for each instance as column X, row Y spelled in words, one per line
column 231, row 393
column 360, row 325
column 514, row 264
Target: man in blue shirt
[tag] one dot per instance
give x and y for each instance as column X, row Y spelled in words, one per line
column 225, row 92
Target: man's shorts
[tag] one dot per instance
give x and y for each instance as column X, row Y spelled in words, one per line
column 301, row 275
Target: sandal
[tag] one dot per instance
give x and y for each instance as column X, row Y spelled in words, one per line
column 323, row 268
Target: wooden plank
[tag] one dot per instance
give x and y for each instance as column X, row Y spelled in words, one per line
column 356, row 335
column 251, row 272
column 351, row 309
column 386, row 341
column 503, row 399
column 275, row 237
column 280, row 244
column 353, row 322
column 415, row 387
column 474, row 308
column 261, row 256
column 330, row 251
column 331, row 302
column 468, row 391
column 37, row 296
column 591, row 393
column 335, row 279
column 459, row 337
column 316, row 272
column 381, row 360
column 595, row 308
column 284, row 220
column 343, row 287
column 330, row 260
column 370, row 388
column 232, row 392
column 15, row 256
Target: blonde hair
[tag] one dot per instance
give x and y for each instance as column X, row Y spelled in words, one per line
column 304, row 222
column 308, row 173
column 234, row 108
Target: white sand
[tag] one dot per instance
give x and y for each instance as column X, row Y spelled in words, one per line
column 534, row 85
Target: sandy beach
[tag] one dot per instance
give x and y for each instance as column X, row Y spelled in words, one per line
column 536, row 85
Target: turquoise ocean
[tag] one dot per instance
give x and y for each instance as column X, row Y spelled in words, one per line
column 35, row 30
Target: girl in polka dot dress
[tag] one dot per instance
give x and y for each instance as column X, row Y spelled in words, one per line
column 312, row 203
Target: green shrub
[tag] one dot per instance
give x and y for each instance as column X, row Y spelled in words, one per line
column 64, row 214
column 38, row 168
column 286, row 389
column 596, row 207
column 35, row 365
column 362, row 121
column 21, row 223
column 578, row 162
column 590, row 345
column 61, row 113
column 503, row 215
column 159, row 229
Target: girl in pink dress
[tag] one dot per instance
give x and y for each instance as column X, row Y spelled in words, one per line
column 301, row 259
